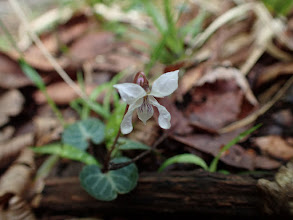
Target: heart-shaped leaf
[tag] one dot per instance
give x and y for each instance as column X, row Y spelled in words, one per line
column 79, row 133
column 67, row 151
column 106, row 186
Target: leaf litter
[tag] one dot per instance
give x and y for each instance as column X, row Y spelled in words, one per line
column 221, row 83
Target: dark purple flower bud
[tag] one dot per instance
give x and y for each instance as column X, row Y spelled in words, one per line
column 141, row 80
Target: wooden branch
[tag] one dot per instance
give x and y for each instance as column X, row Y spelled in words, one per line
column 188, row 193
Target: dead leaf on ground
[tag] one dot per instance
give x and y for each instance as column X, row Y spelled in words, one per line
column 16, row 208
column 11, row 148
column 221, row 96
column 11, row 104
column 17, row 178
column 11, row 75
column 6, row 133
column 229, row 73
column 91, row 45
column 60, row 92
column 47, row 129
column 275, row 146
column 13, row 186
column 236, row 156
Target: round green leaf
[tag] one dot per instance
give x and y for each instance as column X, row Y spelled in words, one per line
column 106, row 186
column 79, row 133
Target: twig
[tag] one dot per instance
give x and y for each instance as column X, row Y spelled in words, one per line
column 116, row 166
column 249, row 119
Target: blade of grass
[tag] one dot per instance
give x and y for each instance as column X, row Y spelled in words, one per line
column 214, row 163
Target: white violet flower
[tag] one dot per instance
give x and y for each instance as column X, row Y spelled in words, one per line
column 139, row 96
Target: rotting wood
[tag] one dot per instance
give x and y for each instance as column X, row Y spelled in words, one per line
column 189, row 193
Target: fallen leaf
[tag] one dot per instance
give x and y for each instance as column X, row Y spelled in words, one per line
column 190, row 77
column 236, row 156
column 11, row 148
column 13, row 187
column 229, row 73
column 16, row 179
column 16, row 208
column 221, row 96
column 11, row 104
column 11, row 75
column 117, row 62
column 275, row 146
column 47, row 129
column 6, row 133
column 91, row 45
column 214, row 106
column 60, row 92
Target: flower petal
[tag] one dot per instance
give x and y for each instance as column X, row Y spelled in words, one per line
column 130, row 92
column 126, row 124
column 165, row 85
column 145, row 111
column 164, row 115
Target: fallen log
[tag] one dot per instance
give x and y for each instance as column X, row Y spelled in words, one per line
column 176, row 193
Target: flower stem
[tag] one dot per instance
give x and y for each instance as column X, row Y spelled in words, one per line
column 108, row 156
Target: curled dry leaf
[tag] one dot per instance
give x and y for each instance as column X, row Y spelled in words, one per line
column 229, row 73
column 11, row 75
column 16, row 209
column 13, row 186
column 219, row 99
column 17, row 178
column 60, row 92
column 11, row 105
column 275, row 146
column 48, row 129
column 11, row 148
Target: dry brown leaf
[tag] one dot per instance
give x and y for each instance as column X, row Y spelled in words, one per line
column 6, row 133
column 236, row 156
column 117, row 62
column 11, row 75
column 11, row 148
column 190, row 78
column 218, row 99
column 17, row 178
column 275, row 146
column 91, row 45
column 13, row 186
column 47, row 129
column 11, row 105
column 16, row 208
column 228, row 73
column 60, row 92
